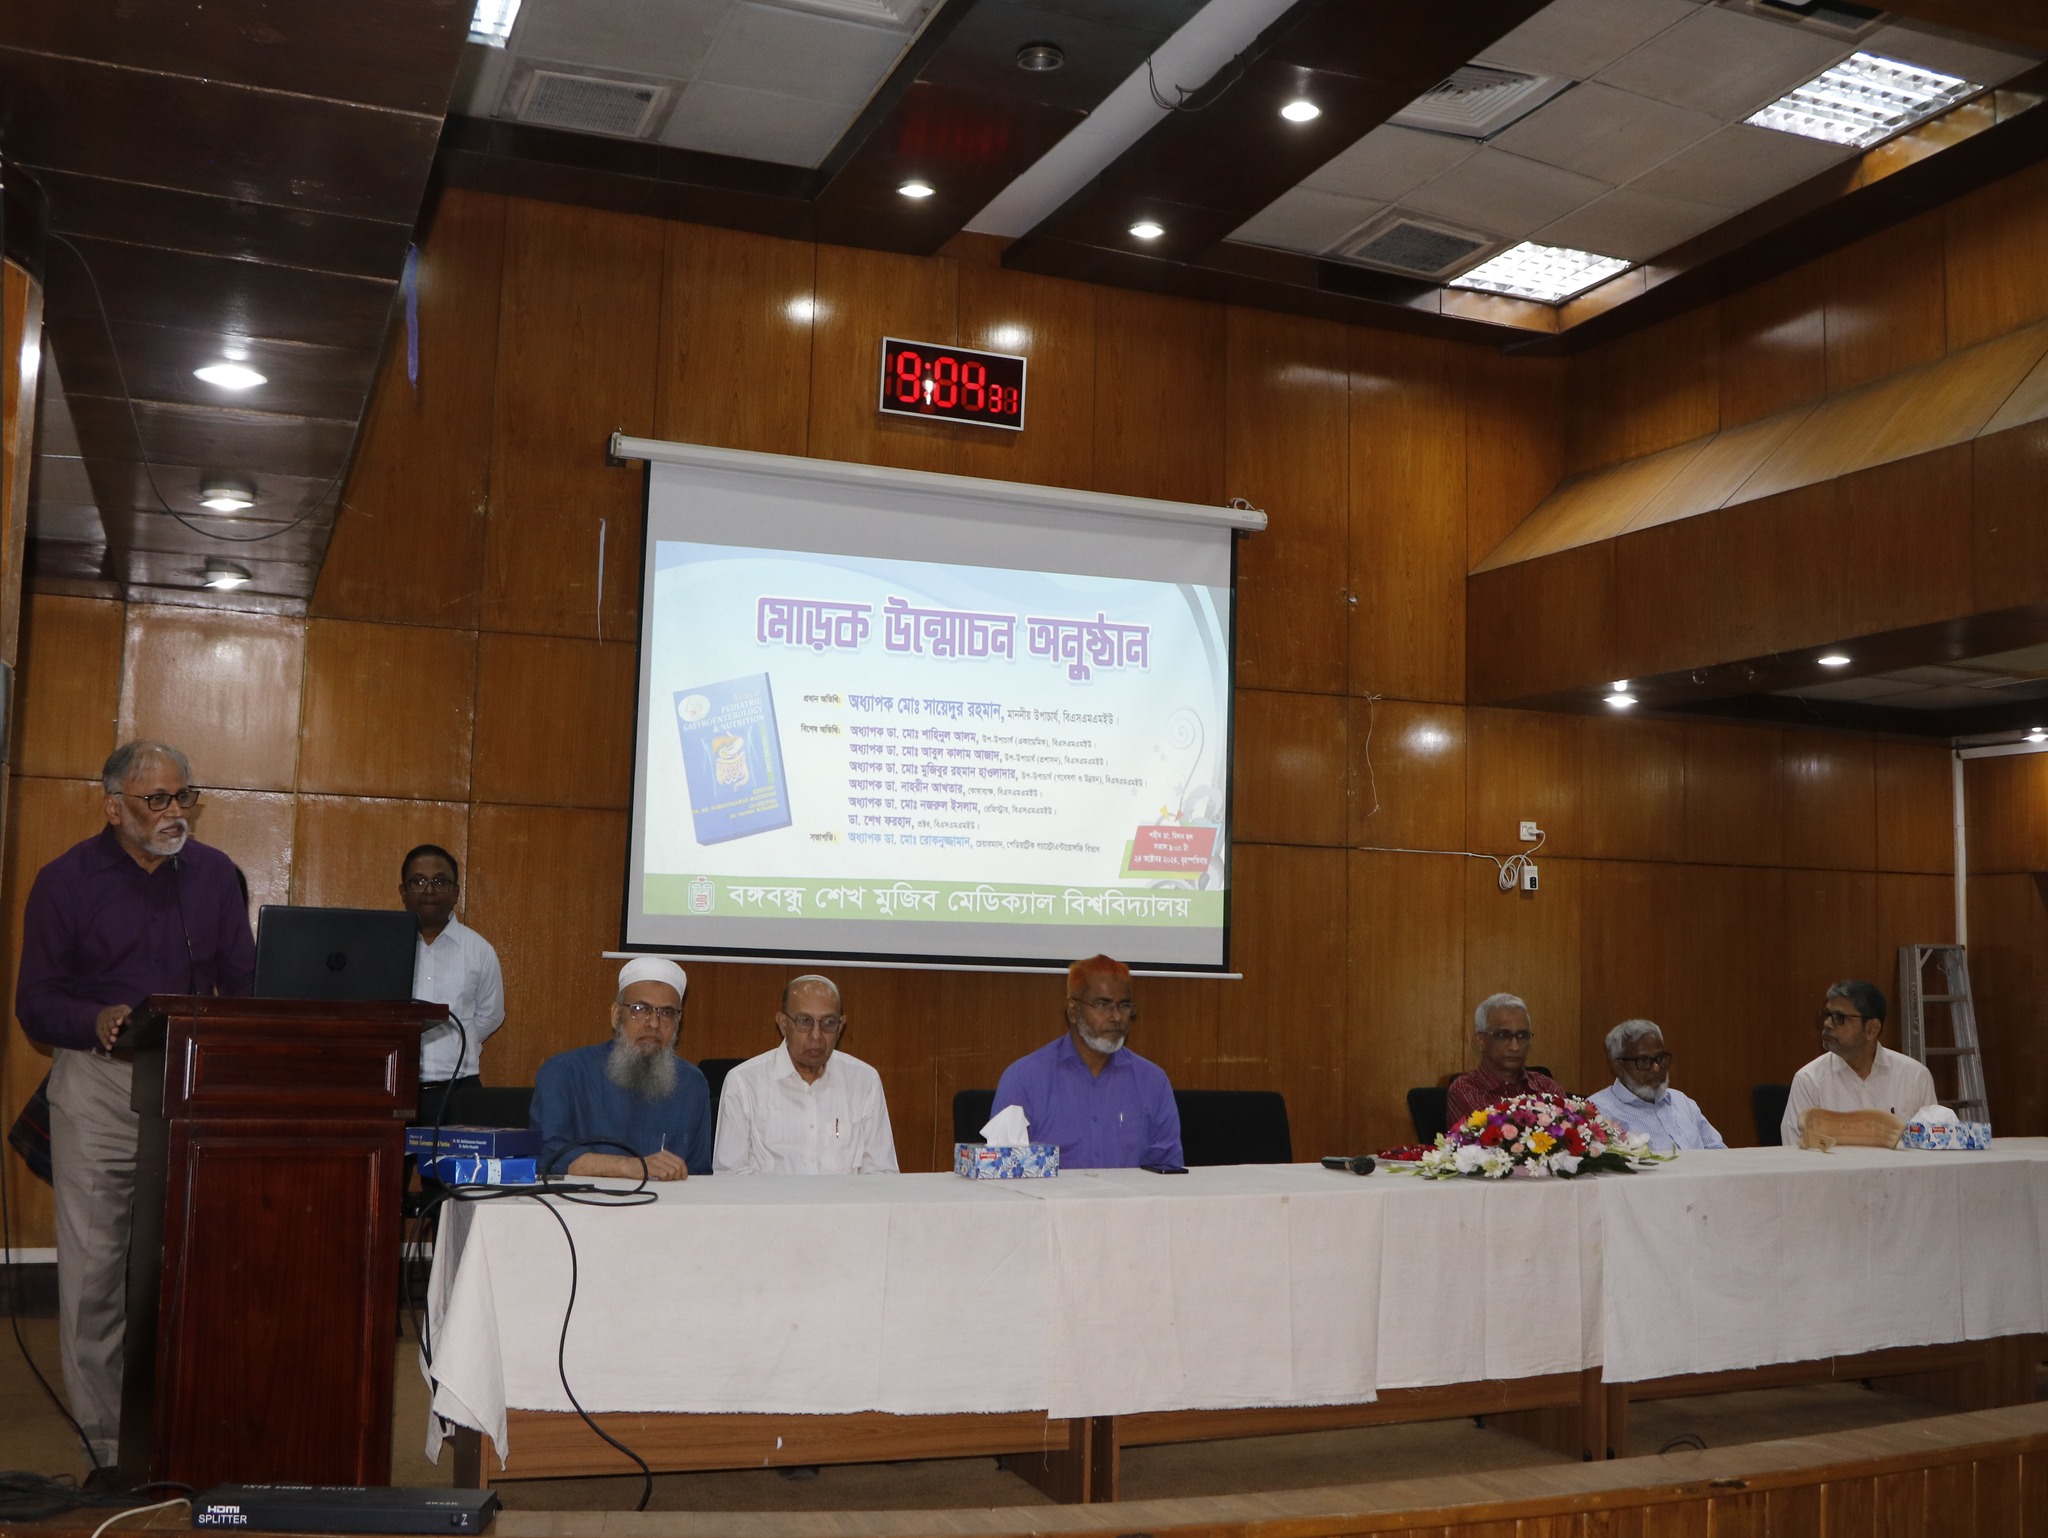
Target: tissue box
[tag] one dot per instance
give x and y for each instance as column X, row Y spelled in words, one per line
column 977, row 1161
column 457, row 1171
column 1961, row 1135
column 475, row 1142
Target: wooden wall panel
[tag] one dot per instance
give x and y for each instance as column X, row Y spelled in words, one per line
column 1523, row 764
column 735, row 364
column 1904, row 530
column 577, row 750
column 1774, row 345
column 1528, row 943
column 68, row 689
column 222, row 686
column 1544, row 625
column 1902, row 1505
column 1633, row 788
column 1052, row 322
column 408, row 544
column 1514, row 443
column 254, row 829
column 1407, row 775
column 1410, row 1021
column 864, row 296
column 1285, row 451
column 1291, row 765
column 1915, row 803
column 2009, row 517
column 1997, row 247
column 1734, row 795
column 388, row 710
column 1649, row 390
column 1408, row 539
column 347, row 850
column 1159, row 392
column 1830, row 933
column 1886, row 302
column 579, row 332
column 1829, row 800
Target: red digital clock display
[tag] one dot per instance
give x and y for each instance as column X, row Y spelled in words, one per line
column 951, row 384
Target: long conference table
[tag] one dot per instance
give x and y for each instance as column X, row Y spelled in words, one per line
column 742, row 1321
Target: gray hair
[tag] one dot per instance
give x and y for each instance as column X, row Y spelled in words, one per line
column 126, row 761
column 1867, row 997
column 811, row 977
column 1492, row 1002
column 1628, row 1031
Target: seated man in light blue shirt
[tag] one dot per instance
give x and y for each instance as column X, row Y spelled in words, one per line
column 1641, row 1098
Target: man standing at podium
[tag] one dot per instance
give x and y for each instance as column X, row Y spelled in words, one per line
column 142, row 908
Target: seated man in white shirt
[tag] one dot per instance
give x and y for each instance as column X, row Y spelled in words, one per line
column 804, row 1108
column 453, row 965
column 1853, row 1072
column 1641, row 1098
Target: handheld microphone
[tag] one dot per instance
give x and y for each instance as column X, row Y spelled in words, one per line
column 1363, row 1164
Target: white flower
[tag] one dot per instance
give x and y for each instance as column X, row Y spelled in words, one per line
column 1471, row 1159
column 1565, row 1163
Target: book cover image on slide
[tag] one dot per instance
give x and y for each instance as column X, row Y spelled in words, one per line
column 732, row 757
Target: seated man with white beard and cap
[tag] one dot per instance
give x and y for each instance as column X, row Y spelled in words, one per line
column 628, row 1106
column 1641, row 1097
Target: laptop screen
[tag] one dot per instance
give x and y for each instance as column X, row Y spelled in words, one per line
column 355, row 954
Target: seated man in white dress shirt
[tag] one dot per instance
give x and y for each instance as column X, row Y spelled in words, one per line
column 1854, row 1072
column 452, row 965
column 1641, row 1098
column 804, row 1107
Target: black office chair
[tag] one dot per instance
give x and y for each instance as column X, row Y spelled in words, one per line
column 971, row 1110
column 1429, row 1110
column 1234, row 1126
column 1767, row 1110
column 490, row 1105
column 714, row 1070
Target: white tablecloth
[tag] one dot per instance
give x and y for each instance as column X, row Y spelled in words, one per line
column 1116, row 1292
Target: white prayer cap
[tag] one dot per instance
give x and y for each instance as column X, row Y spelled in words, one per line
column 653, row 969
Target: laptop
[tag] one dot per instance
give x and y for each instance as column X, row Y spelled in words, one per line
column 356, row 954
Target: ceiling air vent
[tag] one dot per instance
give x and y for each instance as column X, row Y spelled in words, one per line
column 1478, row 101
column 1420, row 248
column 1836, row 18
column 589, row 104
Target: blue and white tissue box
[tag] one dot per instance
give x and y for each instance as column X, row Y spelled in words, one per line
column 474, row 1142
column 1956, row 1136
column 459, row 1171
column 1023, row 1161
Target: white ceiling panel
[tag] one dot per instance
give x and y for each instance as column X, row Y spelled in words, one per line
column 1503, row 193
column 731, row 120
column 1877, row 687
column 653, row 37
column 1305, row 220
column 1724, row 64
column 1632, row 225
column 1389, row 163
column 1952, row 56
column 1579, row 38
column 1603, row 133
column 1740, row 166
column 765, row 48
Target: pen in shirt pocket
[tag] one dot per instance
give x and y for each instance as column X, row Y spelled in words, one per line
column 835, row 1126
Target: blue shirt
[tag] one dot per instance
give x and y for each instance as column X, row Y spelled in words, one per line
column 575, row 1104
column 1118, row 1119
column 1673, row 1120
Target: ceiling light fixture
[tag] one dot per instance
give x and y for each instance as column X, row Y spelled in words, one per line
column 225, row 576
column 916, row 189
column 1548, row 274
column 492, row 23
column 1834, row 660
column 1301, row 111
column 1863, row 99
column 1039, row 58
column 2037, row 734
column 1145, row 229
column 230, row 376
column 225, row 496
column 1620, row 699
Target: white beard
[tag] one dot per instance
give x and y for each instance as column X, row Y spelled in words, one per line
column 650, row 1077
column 1103, row 1044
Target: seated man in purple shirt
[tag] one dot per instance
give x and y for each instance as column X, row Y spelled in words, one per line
column 1105, row 1106
column 142, row 908
column 1502, row 1033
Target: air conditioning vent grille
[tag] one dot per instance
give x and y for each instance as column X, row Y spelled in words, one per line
column 1478, row 101
column 1421, row 248
column 590, row 104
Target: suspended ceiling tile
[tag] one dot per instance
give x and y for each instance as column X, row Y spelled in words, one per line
column 761, row 125
column 1724, row 64
column 1504, row 193
column 1740, row 166
column 1389, row 163
column 1632, row 225
column 1305, row 220
column 1952, row 56
column 1876, row 687
column 766, row 48
column 1607, row 134
column 1579, row 38
column 650, row 37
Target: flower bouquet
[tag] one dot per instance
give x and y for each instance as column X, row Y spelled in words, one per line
column 1537, row 1135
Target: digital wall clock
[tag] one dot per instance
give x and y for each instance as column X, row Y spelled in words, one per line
column 932, row 381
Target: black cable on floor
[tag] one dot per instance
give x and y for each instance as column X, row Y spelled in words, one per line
column 14, row 1321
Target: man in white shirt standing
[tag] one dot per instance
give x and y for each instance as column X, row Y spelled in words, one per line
column 804, row 1108
column 1853, row 1072
column 453, row 965
column 1641, row 1098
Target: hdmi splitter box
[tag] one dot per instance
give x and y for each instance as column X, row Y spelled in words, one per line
column 343, row 1509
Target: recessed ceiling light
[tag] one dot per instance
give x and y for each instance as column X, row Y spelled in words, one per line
column 916, row 189
column 1863, row 99
column 492, row 23
column 1551, row 274
column 227, row 496
column 1619, row 686
column 230, row 376
column 1040, row 57
column 225, row 576
column 1621, row 699
column 1145, row 229
column 1301, row 111
column 2038, row 734
column 1834, row 660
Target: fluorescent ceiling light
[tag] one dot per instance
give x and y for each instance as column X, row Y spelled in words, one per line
column 1550, row 274
column 226, row 497
column 492, row 23
column 225, row 576
column 1301, row 112
column 916, row 189
column 1862, row 100
column 1834, row 660
column 1145, row 229
column 230, row 376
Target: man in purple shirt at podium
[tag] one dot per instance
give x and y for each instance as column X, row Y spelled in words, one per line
column 1105, row 1106
column 142, row 908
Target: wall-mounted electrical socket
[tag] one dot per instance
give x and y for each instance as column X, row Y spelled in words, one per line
column 1530, row 832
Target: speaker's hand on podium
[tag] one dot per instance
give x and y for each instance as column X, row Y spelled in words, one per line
column 108, row 1026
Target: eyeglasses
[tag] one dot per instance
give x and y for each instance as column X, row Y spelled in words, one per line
column 1646, row 1064
column 1828, row 1017
column 160, row 800
column 1519, row 1038
column 828, row 1025
column 640, row 1014
column 429, row 883
column 1110, row 1006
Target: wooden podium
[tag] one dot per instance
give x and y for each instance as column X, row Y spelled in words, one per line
column 263, row 1268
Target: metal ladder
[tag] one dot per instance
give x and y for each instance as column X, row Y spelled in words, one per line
column 1954, row 991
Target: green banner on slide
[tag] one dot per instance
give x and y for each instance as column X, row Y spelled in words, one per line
column 969, row 902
